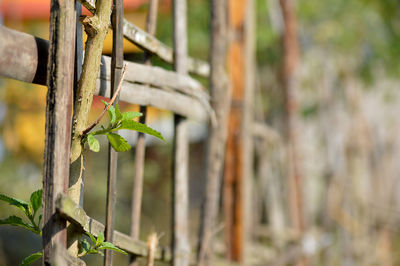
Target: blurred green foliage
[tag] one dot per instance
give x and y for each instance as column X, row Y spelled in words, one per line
column 367, row 31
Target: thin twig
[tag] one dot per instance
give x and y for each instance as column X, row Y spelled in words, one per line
column 108, row 105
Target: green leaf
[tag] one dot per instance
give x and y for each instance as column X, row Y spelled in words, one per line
column 85, row 246
column 100, row 239
column 118, row 142
column 31, row 258
column 105, row 103
column 94, row 144
column 111, row 113
column 133, row 125
column 36, row 200
column 95, row 251
column 108, row 245
column 91, row 237
column 20, row 204
column 130, row 115
column 17, row 221
column 118, row 115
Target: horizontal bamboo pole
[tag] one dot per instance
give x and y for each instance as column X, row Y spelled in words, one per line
column 158, row 77
column 150, row 96
column 23, row 56
column 150, row 44
column 75, row 214
column 168, row 90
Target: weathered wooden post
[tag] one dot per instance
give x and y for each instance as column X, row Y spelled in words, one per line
column 60, row 81
column 221, row 100
column 249, row 118
column 238, row 161
column 290, row 87
column 180, row 172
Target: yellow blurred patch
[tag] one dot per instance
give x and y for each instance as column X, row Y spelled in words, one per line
column 30, row 129
column 24, row 125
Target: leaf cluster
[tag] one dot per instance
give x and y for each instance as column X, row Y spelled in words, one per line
column 96, row 246
column 30, row 209
column 117, row 122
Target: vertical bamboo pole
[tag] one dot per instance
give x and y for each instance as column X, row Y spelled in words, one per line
column 117, row 62
column 289, row 79
column 248, row 121
column 290, row 85
column 180, row 189
column 221, row 97
column 60, row 73
column 137, row 189
column 233, row 177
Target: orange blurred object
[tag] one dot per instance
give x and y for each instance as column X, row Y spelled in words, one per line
column 40, row 9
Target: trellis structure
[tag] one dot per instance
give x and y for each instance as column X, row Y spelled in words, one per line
column 145, row 85
column 180, row 253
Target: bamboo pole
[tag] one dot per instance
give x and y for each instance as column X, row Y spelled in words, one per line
column 289, row 79
column 137, row 189
column 221, row 97
column 164, row 89
column 234, row 183
column 248, row 122
column 180, row 173
column 290, row 86
column 58, row 121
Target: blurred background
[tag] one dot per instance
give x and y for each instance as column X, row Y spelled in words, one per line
column 347, row 128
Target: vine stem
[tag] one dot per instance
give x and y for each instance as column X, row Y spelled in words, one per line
column 108, row 105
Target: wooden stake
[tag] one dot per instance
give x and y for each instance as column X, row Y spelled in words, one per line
column 60, row 82
column 234, row 183
column 180, row 189
column 248, row 122
column 289, row 79
column 221, row 98
column 290, row 85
